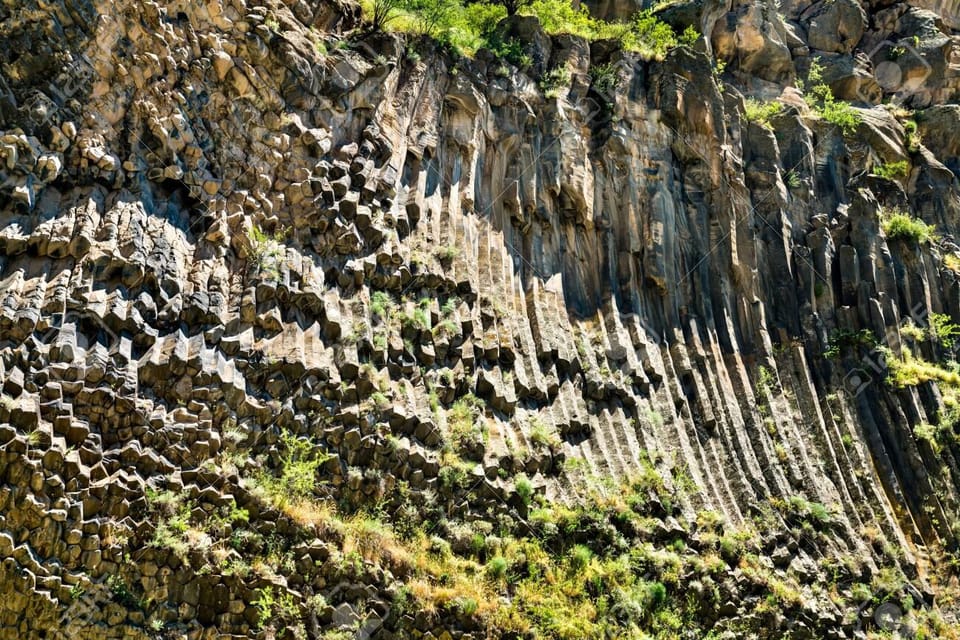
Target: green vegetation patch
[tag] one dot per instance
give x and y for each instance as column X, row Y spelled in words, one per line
column 898, row 225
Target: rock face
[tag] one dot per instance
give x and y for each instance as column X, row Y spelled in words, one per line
column 218, row 225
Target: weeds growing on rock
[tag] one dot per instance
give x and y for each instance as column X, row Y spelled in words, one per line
column 761, row 112
column 820, row 98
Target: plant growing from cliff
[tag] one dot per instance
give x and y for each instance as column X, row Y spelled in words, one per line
column 913, row 137
column 930, row 434
column 766, row 381
column 380, row 304
column 898, row 225
column 951, row 261
column 264, row 604
column 524, row 488
column 554, row 81
column 820, row 98
column 842, row 339
column 912, row 331
column 893, row 170
column 266, row 250
column 541, row 436
column 910, row 371
column 77, row 591
column 761, row 112
column 651, row 36
column 604, row 78
column 690, row 36
column 447, row 253
column 300, row 462
column 418, row 319
column 943, row 330
column 381, row 12
column 449, row 306
column 560, row 16
column 123, row 594
column 792, row 178
column 467, row 430
column 432, row 17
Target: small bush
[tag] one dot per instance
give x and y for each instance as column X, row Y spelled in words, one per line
column 928, row 433
column 651, row 36
column 820, row 98
column 913, row 332
column 893, row 170
column 761, row 112
column 467, row 606
column 839, row 113
column 540, row 435
column 846, row 339
column 264, row 604
column 943, row 330
column 380, row 304
column 913, row 137
column 449, row 252
column 690, row 36
column 554, row 81
column 656, row 594
column 902, row 226
column 951, row 261
column 524, row 488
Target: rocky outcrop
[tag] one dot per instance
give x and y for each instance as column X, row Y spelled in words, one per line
column 221, row 225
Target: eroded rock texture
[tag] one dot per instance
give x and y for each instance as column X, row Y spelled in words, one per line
column 204, row 203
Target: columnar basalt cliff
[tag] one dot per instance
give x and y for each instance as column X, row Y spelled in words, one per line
column 244, row 240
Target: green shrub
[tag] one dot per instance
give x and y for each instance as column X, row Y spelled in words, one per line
column 604, row 78
column 123, row 594
column 450, row 305
column 847, row 339
column 930, row 434
column 839, row 113
column 903, row 226
column 418, row 319
column 943, row 329
column 554, row 81
column 910, row 371
column 656, row 595
column 690, row 36
column 651, row 36
column 560, row 16
column 467, row 606
column 300, row 462
column 760, row 112
column 541, row 436
column 913, row 137
column 449, row 252
column 512, row 51
column 433, row 17
column 821, row 99
column 912, row 331
column 380, row 304
column 524, row 488
column 893, row 170
column 469, row 26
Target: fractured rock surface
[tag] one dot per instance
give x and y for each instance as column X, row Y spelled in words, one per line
column 203, row 212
